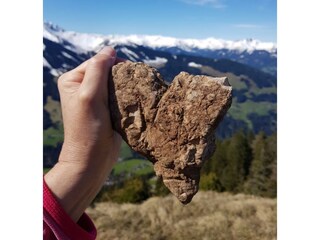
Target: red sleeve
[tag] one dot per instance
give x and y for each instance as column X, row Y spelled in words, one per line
column 57, row 224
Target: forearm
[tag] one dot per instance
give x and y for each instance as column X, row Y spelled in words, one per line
column 91, row 146
column 76, row 185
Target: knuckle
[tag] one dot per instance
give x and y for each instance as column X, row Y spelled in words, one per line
column 63, row 78
column 85, row 98
column 60, row 81
column 98, row 61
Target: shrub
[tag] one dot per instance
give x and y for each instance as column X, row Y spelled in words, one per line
column 134, row 190
column 160, row 188
column 210, row 182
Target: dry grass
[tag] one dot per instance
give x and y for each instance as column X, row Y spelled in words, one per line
column 210, row 215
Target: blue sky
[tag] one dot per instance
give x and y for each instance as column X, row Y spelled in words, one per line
column 226, row 19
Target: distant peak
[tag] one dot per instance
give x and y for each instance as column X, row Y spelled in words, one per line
column 52, row 26
column 93, row 41
column 156, row 41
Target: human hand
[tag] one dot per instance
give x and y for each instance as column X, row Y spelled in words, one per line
column 90, row 146
column 86, row 115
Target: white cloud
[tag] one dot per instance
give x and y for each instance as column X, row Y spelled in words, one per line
column 212, row 3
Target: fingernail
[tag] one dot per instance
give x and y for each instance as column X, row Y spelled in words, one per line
column 108, row 51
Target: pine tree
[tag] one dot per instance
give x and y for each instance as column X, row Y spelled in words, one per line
column 238, row 160
column 262, row 178
column 210, row 182
column 272, row 165
column 214, row 167
column 217, row 157
column 219, row 160
column 250, row 137
column 160, row 188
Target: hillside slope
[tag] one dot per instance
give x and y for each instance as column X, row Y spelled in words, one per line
column 210, row 215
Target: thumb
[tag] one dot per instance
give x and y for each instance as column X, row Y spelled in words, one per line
column 95, row 81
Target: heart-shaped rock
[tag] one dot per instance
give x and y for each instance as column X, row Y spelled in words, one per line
column 173, row 126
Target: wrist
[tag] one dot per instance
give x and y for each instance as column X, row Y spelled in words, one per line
column 75, row 186
column 79, row 175
column 89, row 157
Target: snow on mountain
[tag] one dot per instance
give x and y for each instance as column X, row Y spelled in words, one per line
column 92, row 42
column 189, row 44
column 81, row 42
column 72, row 48
column 130, row 54
column 195, row 65
column 158, row 62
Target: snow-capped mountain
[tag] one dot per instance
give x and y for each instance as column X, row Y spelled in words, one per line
column 247, row 64
column 80, row 42
column 262, row 55
column 92, row 42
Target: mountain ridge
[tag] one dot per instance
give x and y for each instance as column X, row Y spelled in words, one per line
column 92, row 41
column 254, row 90
column 261, row 55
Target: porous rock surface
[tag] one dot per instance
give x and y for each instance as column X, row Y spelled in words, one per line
column 173, row 126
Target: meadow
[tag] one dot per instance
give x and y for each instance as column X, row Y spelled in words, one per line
column 210, row 216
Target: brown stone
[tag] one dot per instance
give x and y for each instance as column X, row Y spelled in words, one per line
column 173, row 126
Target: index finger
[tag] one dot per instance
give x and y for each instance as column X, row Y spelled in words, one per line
column 83, row 66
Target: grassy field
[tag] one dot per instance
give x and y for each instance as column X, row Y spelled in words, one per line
column 242, row 110
column 133, row 166
column 52, row 136
column 129, row 167
column 210, row 216
column 125, row 151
